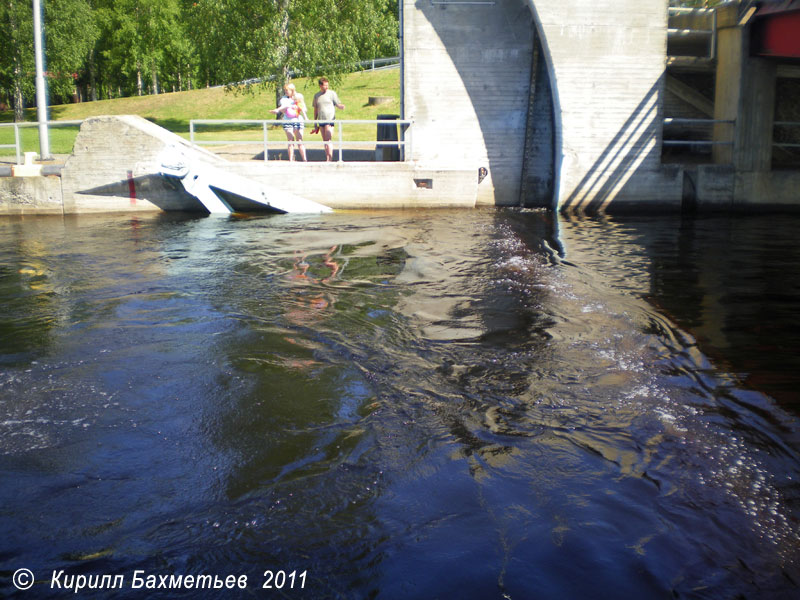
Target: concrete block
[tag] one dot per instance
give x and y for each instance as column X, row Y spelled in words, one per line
column 28, row 169
column 367, row 185
column 715, row 186
column 30, row 196
column 114, row 167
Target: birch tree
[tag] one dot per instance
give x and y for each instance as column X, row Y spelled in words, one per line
column 69, row 31
column 16, row 18
column 273, row 40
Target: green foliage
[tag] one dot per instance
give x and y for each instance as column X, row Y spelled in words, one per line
column 17, row 55
column 145, row 35
column 696, row 3
column 112, row 48
column 70, row 31
column 274, row 40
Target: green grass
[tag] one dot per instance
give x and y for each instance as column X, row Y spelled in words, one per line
column 173, row 111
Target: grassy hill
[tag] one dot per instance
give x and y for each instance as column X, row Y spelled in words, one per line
column 173, row 111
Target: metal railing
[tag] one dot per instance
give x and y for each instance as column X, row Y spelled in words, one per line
column 693, row 15
column 786, row 124
column 372, row 64
column 696, row 123
column 376, row 64
column 338, row 142
column 17, row 145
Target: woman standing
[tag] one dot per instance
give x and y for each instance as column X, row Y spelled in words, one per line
column 293, row 108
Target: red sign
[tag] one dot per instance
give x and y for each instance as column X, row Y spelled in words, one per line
column 776, row 33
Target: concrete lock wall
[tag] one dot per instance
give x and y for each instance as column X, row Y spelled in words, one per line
column 467, row 84
column 474, row 83
column 606, row 61
column 31, row 195
column 116, row 161
column 469, row 87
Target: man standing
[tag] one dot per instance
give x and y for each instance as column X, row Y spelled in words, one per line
column 325, row 104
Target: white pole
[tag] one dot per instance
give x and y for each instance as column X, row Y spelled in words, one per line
column 401, row 34
column 41, row 91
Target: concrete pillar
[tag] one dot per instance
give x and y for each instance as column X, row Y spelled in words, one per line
column 466, row 85
column 745, row 93
column 606, row 61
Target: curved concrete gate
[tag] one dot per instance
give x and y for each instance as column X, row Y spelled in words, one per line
column 558, row 99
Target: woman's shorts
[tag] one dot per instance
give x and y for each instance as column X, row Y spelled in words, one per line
column 324, row 123
column 293, row 125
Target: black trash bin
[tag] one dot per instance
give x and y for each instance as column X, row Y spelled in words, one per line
column 387, row 132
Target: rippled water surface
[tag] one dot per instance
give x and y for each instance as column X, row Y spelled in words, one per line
column 470, row 404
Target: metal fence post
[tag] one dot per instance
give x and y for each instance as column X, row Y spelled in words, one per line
column 341, row 127
column 713, row 51
column 266, row 134
column 410, row 141
column 16, row 142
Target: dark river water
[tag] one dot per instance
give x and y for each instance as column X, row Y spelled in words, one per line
column 467, row 404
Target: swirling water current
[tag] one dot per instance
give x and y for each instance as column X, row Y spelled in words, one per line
column 446, row 404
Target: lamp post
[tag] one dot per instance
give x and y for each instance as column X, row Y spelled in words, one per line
column 41, row 91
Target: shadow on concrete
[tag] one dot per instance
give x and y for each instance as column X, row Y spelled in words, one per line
column 620, row 159
column 484, row 43
column 317, row 155
column 471, row 35
column 537, row 188
column 164, row 192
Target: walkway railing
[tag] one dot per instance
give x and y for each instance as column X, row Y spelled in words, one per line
column 17, row 145
column 787, row 124
column 692, row 33
column 698, row 127
column 402, row 141
column 786, row 144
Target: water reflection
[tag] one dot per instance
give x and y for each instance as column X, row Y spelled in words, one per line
column 409, row 404
column 732, row 282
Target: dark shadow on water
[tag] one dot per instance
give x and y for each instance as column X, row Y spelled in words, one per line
column 732, row 282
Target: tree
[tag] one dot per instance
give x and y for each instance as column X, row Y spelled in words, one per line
column 240, row 40
column 115, row 47
column 141, row 35
column 16, row 53
column 696, row 3
column 69, row 33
